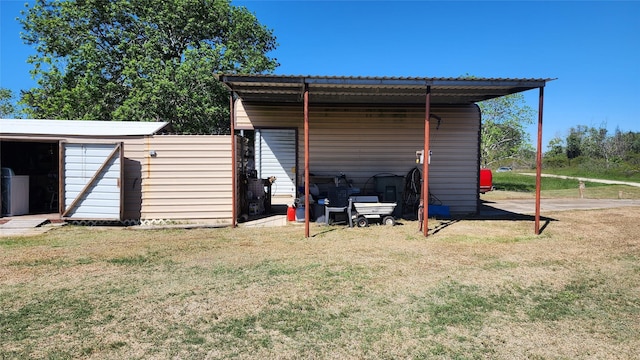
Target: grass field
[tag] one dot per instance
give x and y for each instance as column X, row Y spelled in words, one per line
column 511, row 181
column 473, row 290
column 619, row 172
column 514, row 185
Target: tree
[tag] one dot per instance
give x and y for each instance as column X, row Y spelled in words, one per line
column 6, row 105
column 143, row 60
column 574, row 142
column 619, row 144
column 593, row 144
column 555, row 146
column 503, row 134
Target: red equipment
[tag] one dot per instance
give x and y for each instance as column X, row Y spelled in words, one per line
column 486, row 180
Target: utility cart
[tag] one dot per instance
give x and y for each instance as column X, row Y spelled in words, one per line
column 364, row 209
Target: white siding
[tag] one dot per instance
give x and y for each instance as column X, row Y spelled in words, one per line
column 362, row 141
column 275, row 155
column 102, row 199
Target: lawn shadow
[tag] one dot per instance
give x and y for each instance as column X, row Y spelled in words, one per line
column 443, row 225
column 327, row 229
column 488, row 212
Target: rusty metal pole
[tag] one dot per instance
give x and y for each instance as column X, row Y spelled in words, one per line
column 425, row 164
column 539, row 162
column 306, row 160
column 232, row 119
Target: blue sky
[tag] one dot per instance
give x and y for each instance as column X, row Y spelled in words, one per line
column 592, row 48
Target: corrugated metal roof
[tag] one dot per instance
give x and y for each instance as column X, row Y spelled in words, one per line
column 380, row 90
column 79, row 127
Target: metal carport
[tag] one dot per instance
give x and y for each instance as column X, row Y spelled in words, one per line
column 379, row 90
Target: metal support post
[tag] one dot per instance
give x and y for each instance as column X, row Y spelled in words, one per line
column 306, row 161
column 425, row 164
column 539, row 161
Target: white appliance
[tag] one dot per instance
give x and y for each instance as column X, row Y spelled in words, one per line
column 15, row 193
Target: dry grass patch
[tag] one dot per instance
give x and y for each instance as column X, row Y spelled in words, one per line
column 475, row 289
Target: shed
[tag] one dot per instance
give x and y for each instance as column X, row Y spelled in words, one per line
column 122, row 171
column 366, row 127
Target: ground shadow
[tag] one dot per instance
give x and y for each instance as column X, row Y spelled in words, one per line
column 327, row 229
column 443, row 225
column 488, row 212
column 273, row 210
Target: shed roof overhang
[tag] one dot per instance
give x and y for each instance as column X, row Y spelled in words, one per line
column 379, row 90
column 79, row 127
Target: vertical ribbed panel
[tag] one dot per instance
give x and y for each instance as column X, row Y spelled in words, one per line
column 134, row 155
column 362, row 141
column 92, row 181
column 189, row 178
column 275, row 155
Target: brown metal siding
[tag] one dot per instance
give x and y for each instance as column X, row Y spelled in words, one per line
column 250, row 116
column 362, row 141
column 133, row 158
column 189, row 179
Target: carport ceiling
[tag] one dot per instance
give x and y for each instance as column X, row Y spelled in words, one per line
column 378, row 90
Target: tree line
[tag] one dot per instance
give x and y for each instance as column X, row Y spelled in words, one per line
column 584, row 150
column 595, row 148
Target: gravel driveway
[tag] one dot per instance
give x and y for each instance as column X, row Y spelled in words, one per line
column 527, row 206
column 602, row 181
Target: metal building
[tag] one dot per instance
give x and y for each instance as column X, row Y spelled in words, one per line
column 297, row 131
column 119, row 171
column 363, row 126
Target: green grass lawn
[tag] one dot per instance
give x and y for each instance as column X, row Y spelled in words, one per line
column 525, row 185
column 512, row 181
column 614, row 173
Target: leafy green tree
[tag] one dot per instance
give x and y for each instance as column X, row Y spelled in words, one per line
column 6, row 103
column 143, row 60
column 594, row 151
column 574, row 142
column 555, row 146
column 503, row 134
column 633, row 139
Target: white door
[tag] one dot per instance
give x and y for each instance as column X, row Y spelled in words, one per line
column 275, row 152
column 92, row 176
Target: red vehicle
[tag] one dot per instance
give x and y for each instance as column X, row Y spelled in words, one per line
column 486, row 180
